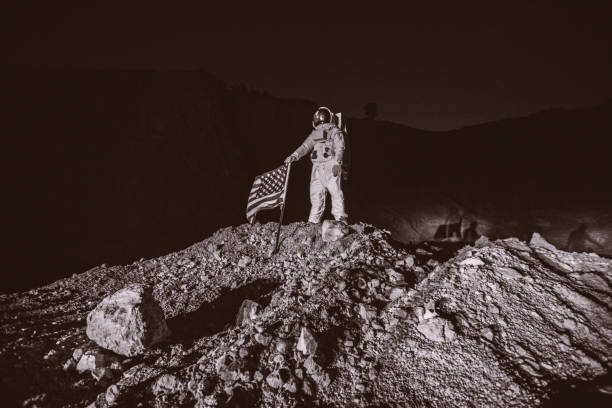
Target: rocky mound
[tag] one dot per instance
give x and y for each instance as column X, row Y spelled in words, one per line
column 355, row 322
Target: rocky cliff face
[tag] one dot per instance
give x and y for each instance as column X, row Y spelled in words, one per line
column 359, row 321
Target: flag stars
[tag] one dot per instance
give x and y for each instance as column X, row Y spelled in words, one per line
column 272, row 182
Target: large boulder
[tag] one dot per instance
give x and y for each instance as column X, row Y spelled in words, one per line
column 128, row 321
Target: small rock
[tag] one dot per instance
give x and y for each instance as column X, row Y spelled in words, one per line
column 393, row 321
column 247, row 312
column 167, row 383
column 77, row 353
column 112, row 392
column 69, row 364
column 409, row 261
column 290, row 386
column 244, row 376
column 538, row 241
column 100, row 373
column 481, row 241
column 227, row 368
column 471, row 262
column 606, row 389
column 244, row 261
column 509, row 273
column 487, row 333
column 211, row 401
column 530, row 370
column 367, row 312
column 222, row 362
column 437, row 329
column 321, row 378
column 262, row 339
column 360, row 228
column 432, row 263
column 311, row 365
column 282, row 346
column 394, row 277
column 307, row 388
column 569, row 324
column 90, row 362
column 229, row 376
column 307, row 344
column 333, row 230
column 279, row 359
column 546, row 366
column 34, row 401
column 396, row 293
column 274, row 380
column 116, row 365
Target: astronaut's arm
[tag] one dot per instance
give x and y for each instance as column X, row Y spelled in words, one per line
column 339, row 146
column 305, row 148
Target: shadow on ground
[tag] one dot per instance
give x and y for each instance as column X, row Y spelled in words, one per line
column 586, row 394
column 213, row 317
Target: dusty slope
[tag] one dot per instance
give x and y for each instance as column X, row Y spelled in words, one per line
column 505, row 324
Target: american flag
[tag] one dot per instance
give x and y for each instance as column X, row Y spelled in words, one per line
column 268, row 191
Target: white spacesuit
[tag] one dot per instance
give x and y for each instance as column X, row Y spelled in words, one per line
column 326, row 146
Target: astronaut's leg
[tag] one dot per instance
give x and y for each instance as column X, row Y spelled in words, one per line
column 335, row 191
column 317, row 196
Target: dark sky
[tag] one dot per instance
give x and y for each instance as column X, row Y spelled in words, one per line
column 429, row 67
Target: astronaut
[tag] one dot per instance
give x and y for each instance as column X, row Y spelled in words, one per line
column 326, row 147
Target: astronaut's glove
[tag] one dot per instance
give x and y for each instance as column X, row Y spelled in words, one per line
column 336, row 170
column 290, row 159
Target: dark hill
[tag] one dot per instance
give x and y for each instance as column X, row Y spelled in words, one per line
column 112, row 166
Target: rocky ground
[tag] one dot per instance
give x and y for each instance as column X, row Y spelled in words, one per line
column 360, row 321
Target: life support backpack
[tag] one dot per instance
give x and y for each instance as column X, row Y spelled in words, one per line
column 346, row 158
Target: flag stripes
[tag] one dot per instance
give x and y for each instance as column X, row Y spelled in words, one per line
column 268, row 192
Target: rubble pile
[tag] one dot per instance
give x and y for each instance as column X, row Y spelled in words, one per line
column 343, row 317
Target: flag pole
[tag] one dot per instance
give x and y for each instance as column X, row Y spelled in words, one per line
column 282, row 214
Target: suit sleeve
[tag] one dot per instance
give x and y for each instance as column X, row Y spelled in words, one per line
column 305, row 148
column 338, row 138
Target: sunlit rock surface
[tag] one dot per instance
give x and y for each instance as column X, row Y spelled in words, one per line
column 128, row 321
